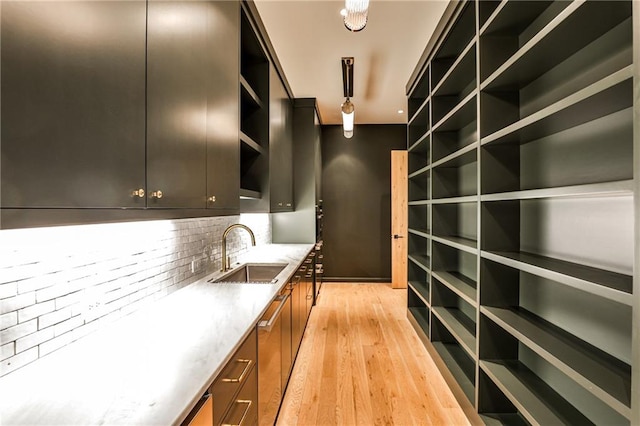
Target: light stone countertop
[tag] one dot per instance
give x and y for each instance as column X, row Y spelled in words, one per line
column 150, row 367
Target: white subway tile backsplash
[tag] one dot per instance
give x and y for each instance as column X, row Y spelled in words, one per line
column 38, row 282
column 14, row 303
column 60, row 284
column 18, row 331
column 55, row 343
column 62, row 289
column 69, row 299
column 8, row 320
column 34, row 311
column 47, row 320
column 68, row 325
column 7, row 350
column 19, row 360
column 8, row 290
column 34, row 339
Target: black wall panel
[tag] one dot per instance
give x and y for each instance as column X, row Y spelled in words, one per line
column 356, row 192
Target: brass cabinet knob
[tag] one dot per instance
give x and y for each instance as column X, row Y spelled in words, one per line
column 288, row 204
column 138, row 193
column 156, row 194
column 212, row 199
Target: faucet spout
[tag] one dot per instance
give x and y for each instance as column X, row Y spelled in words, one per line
column 225, row 260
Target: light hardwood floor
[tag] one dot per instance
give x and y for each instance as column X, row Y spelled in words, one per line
column 361, row 363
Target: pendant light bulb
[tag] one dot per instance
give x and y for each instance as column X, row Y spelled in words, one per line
column 348, row 115
column 355, row 18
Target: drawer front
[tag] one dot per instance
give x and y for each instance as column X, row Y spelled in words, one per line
column 202, row 414
column 244, row 408
column 236, row 373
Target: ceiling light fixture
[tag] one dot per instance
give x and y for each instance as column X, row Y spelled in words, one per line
column 348, row 114
column 347, row 108
column 355, row 16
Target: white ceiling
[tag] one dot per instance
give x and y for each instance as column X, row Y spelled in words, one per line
column 310, row 39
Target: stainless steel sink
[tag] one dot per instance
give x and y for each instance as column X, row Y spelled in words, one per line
column 252, row 273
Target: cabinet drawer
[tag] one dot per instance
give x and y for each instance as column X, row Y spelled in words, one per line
column 202, row 414
column 233, row 376
column 244, row 408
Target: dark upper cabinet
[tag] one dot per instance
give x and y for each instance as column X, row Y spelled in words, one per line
column 223, row 152
column 177, row 59
column 193, row 156
column 73, row 104
column 280, row 146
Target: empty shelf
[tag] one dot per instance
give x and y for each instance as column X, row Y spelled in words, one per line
column 606, row 189
column 249, row 94
column 499, row 419
column 458, row 325
column 534, row 399
column 424, row 233
column 454, row 356
column 601, row 374
column 459, row 284
column 421, row 289
column 610, row 285
column 462, row 114
column 421, row 315
column 460, row 243
column 421, row 260
column 604, row 97
column 250, row 143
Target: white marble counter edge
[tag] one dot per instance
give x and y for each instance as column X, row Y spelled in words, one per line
column 140, row 376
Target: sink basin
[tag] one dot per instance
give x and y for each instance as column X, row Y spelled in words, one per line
column 252, row 273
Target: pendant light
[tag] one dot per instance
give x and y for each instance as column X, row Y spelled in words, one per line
column 348, row 114
column 347, row 108
column 355, row 14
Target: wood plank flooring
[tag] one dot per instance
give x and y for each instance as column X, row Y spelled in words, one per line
column 361, row 363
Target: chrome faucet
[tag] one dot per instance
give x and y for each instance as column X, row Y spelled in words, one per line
column 225, row 260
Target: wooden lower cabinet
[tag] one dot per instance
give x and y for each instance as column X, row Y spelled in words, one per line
column 235, row 391
column 202, row 414
column 244, row 408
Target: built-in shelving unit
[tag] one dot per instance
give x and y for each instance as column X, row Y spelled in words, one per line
column 254, row 110
column 521, row 209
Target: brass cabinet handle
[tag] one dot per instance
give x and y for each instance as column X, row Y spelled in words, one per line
column 267, row 325
column 138, row 193
column 244, row 415
column 212, row 199
column 240, row 378
column 156, row 194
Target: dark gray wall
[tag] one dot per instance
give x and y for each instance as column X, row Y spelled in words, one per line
column 356, row 193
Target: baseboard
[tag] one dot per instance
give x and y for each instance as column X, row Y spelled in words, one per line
column 326, row 279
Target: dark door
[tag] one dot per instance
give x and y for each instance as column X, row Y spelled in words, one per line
column 177, row 59
column 73, row 103
column 280, row 146
column 223, row 142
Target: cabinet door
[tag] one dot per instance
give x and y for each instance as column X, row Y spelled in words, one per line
column 280, row 146
column 73, row 103
column 223, row 141
column 177, row 103
column 297, row 312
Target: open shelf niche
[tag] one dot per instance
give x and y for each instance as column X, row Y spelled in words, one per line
column 254, row 111
column 522, row 196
